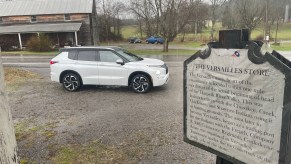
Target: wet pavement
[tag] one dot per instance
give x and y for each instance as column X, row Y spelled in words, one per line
column 43, row 61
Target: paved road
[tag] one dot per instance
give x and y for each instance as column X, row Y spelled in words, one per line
column 40, row 64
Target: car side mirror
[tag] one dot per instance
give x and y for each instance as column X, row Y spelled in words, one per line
column 120, row 61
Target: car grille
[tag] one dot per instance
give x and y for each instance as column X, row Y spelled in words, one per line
column 166, row 67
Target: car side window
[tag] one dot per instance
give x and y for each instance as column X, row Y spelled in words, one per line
column 87, row 55
column 72, row 55
column 108, row 56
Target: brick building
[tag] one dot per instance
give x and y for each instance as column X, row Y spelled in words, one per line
column 64, row 21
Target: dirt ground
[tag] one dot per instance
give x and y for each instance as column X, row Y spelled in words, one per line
column 101, row 124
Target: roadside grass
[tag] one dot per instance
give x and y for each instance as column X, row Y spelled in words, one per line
column 26, row 131
column 26, row 161
column 282, row 47
column 28, row 134
column 130, row 150
column 14, row 77
column 92, row 152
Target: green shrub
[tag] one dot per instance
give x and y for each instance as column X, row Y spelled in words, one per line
column 39, row 43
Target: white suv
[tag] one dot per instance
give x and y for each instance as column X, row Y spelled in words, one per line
column 78, row 66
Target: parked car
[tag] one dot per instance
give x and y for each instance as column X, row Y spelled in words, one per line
column 77, row 66
column 154, row 40
column 134, row 40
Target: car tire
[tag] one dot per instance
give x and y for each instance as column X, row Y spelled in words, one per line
column 140, row 83
column 71, row 82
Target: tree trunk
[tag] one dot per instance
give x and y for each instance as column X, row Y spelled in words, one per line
column 277, row 28
column 140, row 27
column 118, row 28
column 166, row 45
column 8, row 146
column 196, row 27
column 95, row 35
column 183, row 37
column 212, row 31
column 114, row 28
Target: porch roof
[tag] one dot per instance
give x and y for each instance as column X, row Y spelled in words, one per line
column 40, row 28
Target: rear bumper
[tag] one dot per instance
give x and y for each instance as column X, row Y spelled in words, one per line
column 54, row 77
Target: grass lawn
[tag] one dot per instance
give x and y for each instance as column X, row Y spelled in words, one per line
column 282, row 47
column 129, row 31
column 284, row 33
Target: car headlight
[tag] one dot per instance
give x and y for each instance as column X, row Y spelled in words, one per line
column 157, row 66
column 158, row 72
column 161, row 69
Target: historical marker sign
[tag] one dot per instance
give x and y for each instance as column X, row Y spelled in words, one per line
column 236, row 105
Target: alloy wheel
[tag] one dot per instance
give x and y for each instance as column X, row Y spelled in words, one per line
column 71, row 82
column 140, row 84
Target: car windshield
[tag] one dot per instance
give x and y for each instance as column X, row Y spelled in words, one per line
column 128, row 55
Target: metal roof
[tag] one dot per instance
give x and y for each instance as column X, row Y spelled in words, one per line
column 45, row 28
column 41, row 7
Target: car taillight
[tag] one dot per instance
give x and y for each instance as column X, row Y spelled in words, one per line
column 52, row 62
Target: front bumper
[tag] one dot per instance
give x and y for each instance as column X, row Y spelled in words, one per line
column 161, row 81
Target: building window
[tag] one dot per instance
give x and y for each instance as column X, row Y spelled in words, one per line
column 1, row 20
column 33, row 18
column 67, row 17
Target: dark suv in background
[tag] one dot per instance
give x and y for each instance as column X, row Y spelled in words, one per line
column 134, row 40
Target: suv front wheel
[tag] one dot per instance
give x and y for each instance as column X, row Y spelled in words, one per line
column 71, row 82
column 140, row 83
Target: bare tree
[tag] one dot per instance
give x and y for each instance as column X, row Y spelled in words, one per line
column 250, row 13
column 175, row 15
column 109, row 20
column 145, row 10
column 215, row 5
column 95, row 29
column 276, row 14
column 163, row 17
column 8, row 145
column 199, row 15
column 228, row 20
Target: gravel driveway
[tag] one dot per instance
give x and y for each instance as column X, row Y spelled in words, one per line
column 144, row 128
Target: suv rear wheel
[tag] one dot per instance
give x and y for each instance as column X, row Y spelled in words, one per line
column 71, row 82
column 140, row 83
